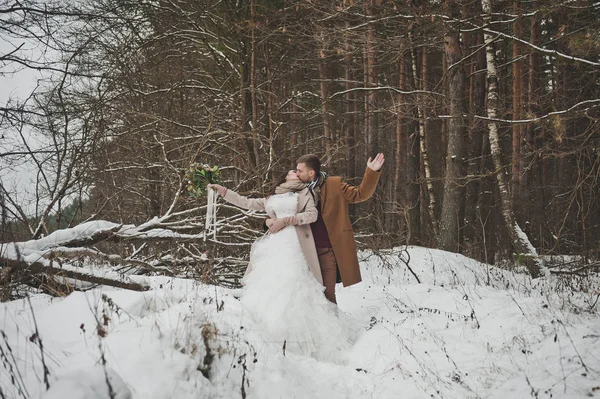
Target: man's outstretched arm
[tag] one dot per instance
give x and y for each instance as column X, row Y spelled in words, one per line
column 355, row 194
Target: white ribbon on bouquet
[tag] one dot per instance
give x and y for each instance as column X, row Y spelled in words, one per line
column 210, row 224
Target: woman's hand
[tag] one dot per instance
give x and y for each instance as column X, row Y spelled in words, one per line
column 278, row 224
column 218, row 188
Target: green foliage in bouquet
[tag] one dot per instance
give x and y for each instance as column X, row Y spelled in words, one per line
column 199, row 176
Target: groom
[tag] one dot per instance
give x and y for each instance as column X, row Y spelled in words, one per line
column 332, row 231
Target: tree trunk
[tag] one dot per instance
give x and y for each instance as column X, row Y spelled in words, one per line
column 254, row 127
column 519, row 240
column 400, row 190
column 476, row 165
column 153, row 176
column 533, row 85
column 371, row 81
column 270, row 108
column 517, row 135
column 322, row 56
column 423, row 145
column 414, row 186
column 449, row 233
column 413, row 177
column 246, row 99
column 349, row 117
column 294, row 118
column 529, row 185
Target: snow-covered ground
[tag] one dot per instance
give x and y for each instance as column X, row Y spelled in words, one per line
column 468, row 330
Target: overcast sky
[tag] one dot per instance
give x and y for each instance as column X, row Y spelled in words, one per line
column 16, row 84
column 21, row 82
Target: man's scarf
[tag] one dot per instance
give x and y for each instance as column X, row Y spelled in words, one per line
column 315, row 186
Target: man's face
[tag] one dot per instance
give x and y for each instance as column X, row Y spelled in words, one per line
column 305, row 174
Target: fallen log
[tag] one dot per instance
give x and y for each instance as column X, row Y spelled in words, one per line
column 37, row 267
column 95, row 238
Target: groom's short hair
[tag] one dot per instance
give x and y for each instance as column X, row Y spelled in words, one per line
column 311, row 161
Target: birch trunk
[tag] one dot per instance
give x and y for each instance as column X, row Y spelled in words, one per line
column 423, row 145
column 521, row 244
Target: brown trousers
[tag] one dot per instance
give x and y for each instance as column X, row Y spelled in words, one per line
column 329, row 271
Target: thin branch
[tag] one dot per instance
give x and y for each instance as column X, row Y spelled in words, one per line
column 394, row 89
column 595, row 103
column 543, row 50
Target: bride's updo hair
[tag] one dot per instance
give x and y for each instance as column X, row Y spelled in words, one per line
column 279, row 180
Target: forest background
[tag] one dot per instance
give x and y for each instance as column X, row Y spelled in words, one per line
column 487, row 112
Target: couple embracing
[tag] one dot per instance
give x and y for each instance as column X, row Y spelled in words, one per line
column 310, row 243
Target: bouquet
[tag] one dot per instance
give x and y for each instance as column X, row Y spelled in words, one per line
column 199, row 176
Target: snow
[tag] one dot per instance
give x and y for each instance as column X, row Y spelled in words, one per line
column 91, row 383
column 524, row 239
column 468, row 330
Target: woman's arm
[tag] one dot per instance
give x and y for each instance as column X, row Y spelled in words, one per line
column 255, row 204
column 309, row 215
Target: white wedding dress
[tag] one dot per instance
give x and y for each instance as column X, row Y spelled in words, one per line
column 285, row 299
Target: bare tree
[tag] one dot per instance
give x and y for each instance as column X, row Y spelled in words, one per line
column 450, row 221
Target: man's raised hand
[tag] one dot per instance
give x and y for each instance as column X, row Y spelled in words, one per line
column 376, row 163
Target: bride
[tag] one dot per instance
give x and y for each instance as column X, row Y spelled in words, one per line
column 283, row 286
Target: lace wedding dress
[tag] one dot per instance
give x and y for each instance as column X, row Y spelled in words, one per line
column 284, row 298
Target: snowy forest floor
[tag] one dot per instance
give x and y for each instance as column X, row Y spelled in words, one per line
column 468, row 330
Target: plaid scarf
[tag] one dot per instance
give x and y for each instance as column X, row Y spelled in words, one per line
column 315, row 186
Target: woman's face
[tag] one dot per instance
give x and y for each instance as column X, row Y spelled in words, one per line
column 291, row 176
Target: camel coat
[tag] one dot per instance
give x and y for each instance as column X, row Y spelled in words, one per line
column 335, row 197
column 307, row 214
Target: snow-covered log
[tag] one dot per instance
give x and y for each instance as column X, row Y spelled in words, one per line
column 41, row 268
